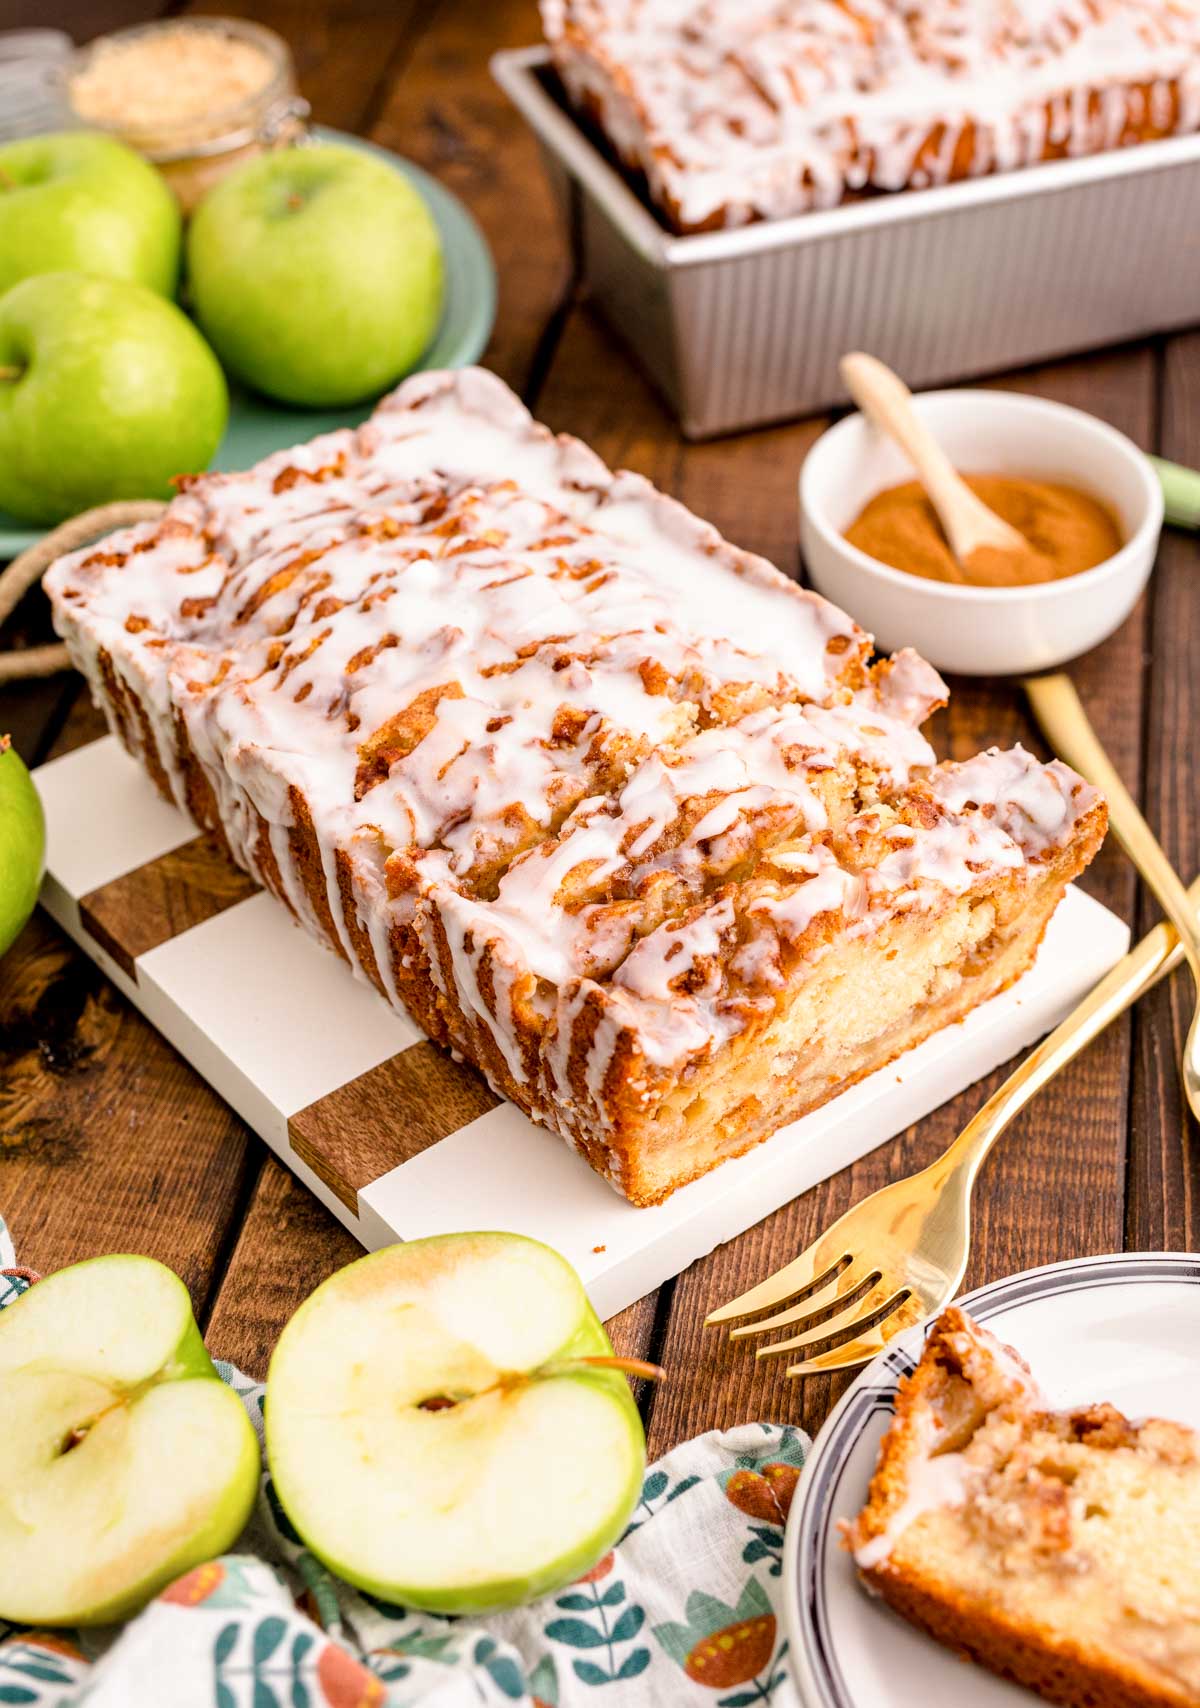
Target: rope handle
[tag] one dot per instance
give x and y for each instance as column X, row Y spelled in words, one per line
column 32, row 564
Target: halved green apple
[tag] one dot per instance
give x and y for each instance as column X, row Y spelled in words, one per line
column 125, row 1459
column 436, row 1432
column 22, row 844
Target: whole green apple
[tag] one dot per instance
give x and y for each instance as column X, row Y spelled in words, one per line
column 106, row 391
column 445, row 1427
column 316, row 274
column 76, row 201
column 126, row 1459
column 22, row 844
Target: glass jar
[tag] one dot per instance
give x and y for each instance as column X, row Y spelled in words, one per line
column 196, row 96
column 31, row 64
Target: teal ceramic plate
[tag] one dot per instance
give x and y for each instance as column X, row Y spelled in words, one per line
column 257, row 426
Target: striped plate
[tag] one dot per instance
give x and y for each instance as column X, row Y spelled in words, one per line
column 1123, row 1329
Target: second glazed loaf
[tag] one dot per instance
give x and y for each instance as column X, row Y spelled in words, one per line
column 738, row 110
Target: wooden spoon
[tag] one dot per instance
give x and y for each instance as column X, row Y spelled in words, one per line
column 966, row 520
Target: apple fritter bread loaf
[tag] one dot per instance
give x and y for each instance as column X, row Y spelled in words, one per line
column 738, row 110
column 616, row 811
column 1055, row 1547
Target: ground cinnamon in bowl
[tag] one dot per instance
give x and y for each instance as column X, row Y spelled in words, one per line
column 1067, row 532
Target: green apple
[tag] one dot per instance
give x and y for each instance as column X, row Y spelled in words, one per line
column 316, row 274
column 106, row 391
column 126, row 1460
column 79, row 202
column 442, row 1429
column 22, row 844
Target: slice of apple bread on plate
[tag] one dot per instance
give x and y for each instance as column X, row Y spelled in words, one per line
column 1058, row 1548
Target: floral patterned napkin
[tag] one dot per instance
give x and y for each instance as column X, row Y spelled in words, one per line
column 686, row 1609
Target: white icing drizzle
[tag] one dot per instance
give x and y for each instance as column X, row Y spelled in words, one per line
column 1034, row 803
column 821, row 887
column 933, row 1482
column 745, row 109
column 578, row 764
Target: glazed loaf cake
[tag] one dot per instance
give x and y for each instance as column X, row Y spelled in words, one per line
column 1057, row 1548
column 616, row 811
column 739, row 110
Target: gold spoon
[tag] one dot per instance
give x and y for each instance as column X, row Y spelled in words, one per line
column 968, row 524
column 1058, row 710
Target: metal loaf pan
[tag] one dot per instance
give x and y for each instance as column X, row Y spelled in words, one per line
column 741, row 327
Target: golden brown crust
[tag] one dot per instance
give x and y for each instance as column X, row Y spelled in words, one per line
column 1060, row 1671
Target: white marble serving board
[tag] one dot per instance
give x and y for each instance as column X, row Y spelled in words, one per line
column 281, row 1029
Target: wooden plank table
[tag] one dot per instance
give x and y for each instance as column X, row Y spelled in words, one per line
column 108, row 1141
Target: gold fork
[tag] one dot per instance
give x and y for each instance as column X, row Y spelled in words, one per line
column 899, row 1256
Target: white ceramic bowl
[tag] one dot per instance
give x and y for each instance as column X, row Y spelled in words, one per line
column 982, row 631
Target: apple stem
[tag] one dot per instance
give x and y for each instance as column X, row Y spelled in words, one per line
column 513, row 1379
column 7, row 181
column 629, row 1367
column 9, row 371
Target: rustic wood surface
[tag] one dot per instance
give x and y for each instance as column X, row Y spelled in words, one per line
column 109, row 1141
